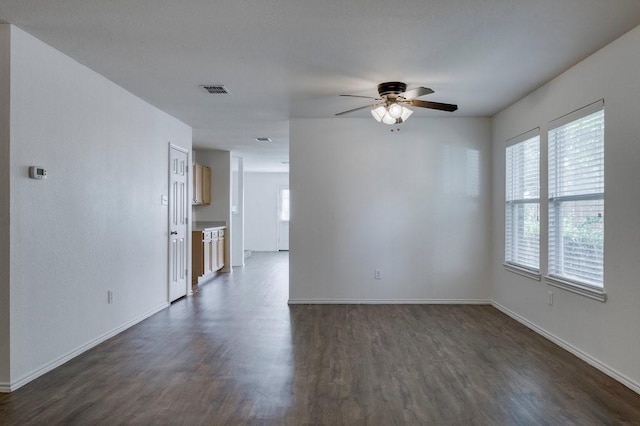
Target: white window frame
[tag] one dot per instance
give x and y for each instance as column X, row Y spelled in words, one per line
column 511, row 263
column 558, row 280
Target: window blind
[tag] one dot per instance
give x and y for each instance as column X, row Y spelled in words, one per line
column 576, row 197
column 522, row 203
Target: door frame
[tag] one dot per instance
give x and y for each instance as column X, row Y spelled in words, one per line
column 188, row 199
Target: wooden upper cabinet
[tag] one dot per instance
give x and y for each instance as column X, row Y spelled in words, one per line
column 201, row 184
column 206, row 185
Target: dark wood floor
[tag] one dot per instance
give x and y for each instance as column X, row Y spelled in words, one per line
column 235, row 353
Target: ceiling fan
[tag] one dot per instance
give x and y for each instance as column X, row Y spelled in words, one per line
column 390, row 108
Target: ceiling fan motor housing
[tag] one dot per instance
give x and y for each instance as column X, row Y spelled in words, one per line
column 391, row 88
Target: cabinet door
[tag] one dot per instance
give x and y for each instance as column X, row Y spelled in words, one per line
column 197, row 256
column 206, row 185
column 220, row 252
column 197, row 184
column 207, row 256
column 214, row 251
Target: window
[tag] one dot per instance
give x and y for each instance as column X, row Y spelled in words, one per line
column 576, row 197
column 522, row 210
column 284, row 205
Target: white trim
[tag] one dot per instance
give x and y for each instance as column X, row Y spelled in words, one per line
column 189, row 224
column 631, row 384
column 4, row 387
column 582, row 290
column 389, row 302
column 522, row 271
column 179, row 148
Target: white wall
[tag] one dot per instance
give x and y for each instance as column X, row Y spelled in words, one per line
column 605, row 333
column 96, row 223
column 414, row 204
column 261, row 210
column 5, row 229
column 220, row 207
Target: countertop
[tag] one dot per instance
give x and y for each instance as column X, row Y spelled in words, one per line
column 201, row 226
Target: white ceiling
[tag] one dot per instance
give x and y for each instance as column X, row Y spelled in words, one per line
column 283, row 59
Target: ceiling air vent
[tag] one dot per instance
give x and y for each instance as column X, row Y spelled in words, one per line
column 263, row 139
column 215, row 89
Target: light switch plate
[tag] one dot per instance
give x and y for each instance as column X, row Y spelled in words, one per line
column 164, row 200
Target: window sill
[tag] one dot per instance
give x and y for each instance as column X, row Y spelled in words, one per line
column 576, row 288
column 522, row 271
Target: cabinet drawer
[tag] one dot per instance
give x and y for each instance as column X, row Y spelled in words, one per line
column 207, row 235
column 221, row 233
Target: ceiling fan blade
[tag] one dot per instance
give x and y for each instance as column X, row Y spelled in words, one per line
column 434, row 105
column 358, row 96
column 356, row 109
column 416, row 92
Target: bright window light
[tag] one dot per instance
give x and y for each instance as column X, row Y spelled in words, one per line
column 522, row 203
column 285, row 205
column 576, row 197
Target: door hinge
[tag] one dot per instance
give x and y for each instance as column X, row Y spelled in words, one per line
column 186, row 272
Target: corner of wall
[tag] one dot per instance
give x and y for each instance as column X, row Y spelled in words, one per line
column 102, row 125
column 5, row 206
column 612, row 345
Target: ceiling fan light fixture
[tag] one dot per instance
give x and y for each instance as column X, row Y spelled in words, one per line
column 395, row 110
column 379, row 113
column 388, row 119
column 389, row 107
column 406, row 113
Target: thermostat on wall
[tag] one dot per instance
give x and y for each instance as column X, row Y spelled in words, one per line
column 37, row 172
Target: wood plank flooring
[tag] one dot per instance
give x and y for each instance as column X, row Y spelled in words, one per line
column 236, row 354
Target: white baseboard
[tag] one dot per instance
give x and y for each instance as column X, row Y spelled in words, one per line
column 389, row 302
column 634, row 386
column 10, row 387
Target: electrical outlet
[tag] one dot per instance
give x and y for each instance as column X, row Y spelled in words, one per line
column 109, row 296
column 550, row 298
column 377, row 274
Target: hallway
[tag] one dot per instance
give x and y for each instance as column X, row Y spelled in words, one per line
column 235, row 353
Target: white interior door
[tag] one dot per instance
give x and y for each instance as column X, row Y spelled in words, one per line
column 178, row 205
column 284, row 213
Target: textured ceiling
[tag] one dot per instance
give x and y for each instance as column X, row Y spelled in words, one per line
column 283, row 59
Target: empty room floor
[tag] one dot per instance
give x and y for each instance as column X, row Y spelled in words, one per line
column 235, row 353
